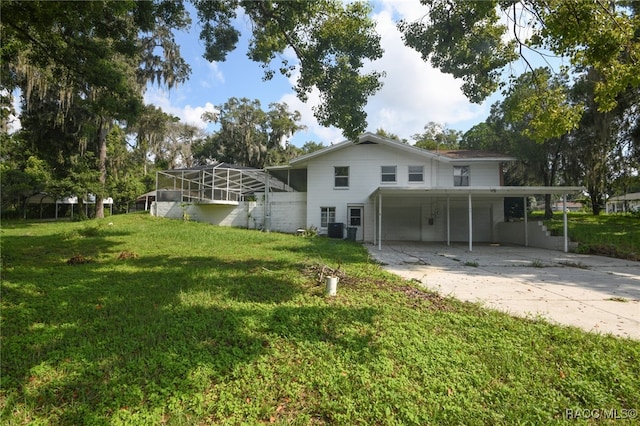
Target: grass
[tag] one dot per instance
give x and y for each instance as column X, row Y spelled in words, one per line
column 613, row 235
column 173, row 322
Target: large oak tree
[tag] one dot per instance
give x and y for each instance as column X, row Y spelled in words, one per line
column 104, row 53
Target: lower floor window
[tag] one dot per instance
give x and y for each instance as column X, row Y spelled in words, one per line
column 327, row 216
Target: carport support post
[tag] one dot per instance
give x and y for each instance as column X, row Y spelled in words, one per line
column 565, row 225
column 448, row 222
column 470, row 224
column 379, row 221
column 526, row 223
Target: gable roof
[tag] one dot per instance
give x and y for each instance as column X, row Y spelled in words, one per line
column 633, row 196
column 448, row 156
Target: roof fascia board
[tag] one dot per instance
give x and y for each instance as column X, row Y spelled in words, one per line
column 481, row 190
column 370, row 137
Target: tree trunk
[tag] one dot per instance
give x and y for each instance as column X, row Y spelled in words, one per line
column 548, row 211
column 103, row 130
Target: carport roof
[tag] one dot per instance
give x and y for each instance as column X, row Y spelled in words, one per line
column 482, row 191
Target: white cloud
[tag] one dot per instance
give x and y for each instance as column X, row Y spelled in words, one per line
column 187, row 114
column 214, row 75
column 413, row 92
column 13, row 121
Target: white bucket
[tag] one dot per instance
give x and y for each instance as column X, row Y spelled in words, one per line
column 332, row 286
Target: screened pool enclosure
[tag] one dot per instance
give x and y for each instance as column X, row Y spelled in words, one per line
column 219, row 183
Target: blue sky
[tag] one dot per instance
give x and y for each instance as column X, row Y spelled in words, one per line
column 413, row 94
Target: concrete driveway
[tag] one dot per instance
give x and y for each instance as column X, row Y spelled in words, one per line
column 598, row 294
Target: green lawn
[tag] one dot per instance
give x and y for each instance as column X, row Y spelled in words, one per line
column 139, row 320
column 614, row 235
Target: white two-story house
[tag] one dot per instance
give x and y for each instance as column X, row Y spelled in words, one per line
column 372, row 190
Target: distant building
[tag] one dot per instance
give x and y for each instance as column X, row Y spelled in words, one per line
column 572, row 206
column 623, row 203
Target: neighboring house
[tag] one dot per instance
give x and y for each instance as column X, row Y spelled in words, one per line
column 42, row 199
column 624, row 203
column 571, row 206
column 377, row 189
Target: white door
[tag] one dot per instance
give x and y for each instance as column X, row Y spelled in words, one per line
column 355, row 220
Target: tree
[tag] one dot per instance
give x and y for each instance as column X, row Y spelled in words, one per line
column 310, row 147
column 249, row 136
column 381, row 132
column 102, row 54
column 594, row 142
column 468, row 40
column 436, row 136
column 506, row 130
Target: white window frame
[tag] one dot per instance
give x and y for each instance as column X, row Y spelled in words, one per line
column 384, row 173
column 461, row 175
column 415, row 173
column 343, row 184
column 327, row 216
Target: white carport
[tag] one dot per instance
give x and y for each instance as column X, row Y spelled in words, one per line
column 44, row 198
column 470, row 194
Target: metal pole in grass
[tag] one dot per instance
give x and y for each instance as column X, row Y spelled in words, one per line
column 564, row 218
column 526, row 223
column 379, row 220
column 470, row 223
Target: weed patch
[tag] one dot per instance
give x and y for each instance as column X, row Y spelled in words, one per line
column 79, row 259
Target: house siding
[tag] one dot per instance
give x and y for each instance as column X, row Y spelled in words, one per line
column 287, row 211
column 403, row 218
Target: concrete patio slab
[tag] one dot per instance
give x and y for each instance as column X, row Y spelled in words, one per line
column 595, row 293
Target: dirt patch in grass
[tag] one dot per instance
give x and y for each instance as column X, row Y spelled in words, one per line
column 127, row 255
column 79, row 259
column 435, row 301
column 414, row 294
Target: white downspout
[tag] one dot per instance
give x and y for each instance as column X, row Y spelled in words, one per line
column 564, row 218
column 470, row 224
column 526, row 223
column 448, row 221
column 379, row 221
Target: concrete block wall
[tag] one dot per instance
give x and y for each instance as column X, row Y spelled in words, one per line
column 538, row 235
column 217, row 214
column 286, row 212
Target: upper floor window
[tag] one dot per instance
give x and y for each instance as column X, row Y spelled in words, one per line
column 460, row 175
column 341, row 176
column 388, row 173
column 416, row 174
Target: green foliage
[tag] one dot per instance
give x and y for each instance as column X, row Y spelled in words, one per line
column 468, row 40
column 211, row 325
column 20, row 180
column 437, row 136
column 614, row 235
column 541, row 101
column 311, row 146
column 310, row 232
column 463, row 39
column 249, row 136
column 331, row 39
column 385, row 134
